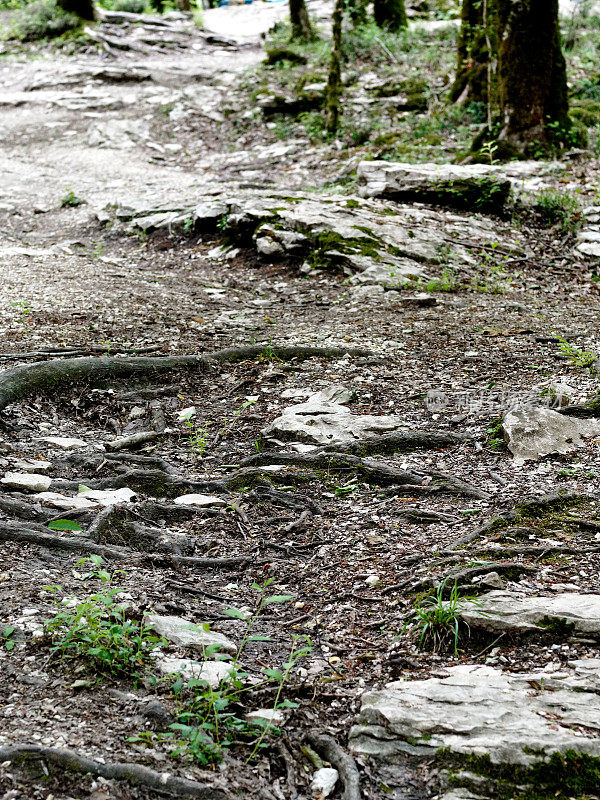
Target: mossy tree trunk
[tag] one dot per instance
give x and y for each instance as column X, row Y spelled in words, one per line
column 300, row 21
column 532, row 77
column 83, row 8
column 334, row 81
column 476, row 53
column 390, row 14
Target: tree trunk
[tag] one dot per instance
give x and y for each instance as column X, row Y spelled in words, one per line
column 532, row 78
column 83, row 8
column 390, row 14
column 334, row 81
column 476, row 52
column 300, row 21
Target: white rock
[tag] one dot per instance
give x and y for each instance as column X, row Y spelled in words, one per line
column 493, row 580
column 201, row 500
column 32, row 466
column 184, row 633
column 373, row 580
column 480, row 710
column 110, row 497
column 272, row 715
column 323, row 419
column 508, row 611
column 64, row 442
column 26, row 481
column 323, row 782
column 531, row 433
column 57, row 500
column 213, row 672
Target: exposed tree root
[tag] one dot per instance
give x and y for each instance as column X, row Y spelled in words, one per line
column 396, row 442
column 67, row 760
column 328, row 748
column 464, row 576
column 24, row 380
column 22, row 510
column 371, row 472
column 153, row 482
column 82, row 544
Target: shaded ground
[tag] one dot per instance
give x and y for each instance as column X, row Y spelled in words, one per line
column 146, row 129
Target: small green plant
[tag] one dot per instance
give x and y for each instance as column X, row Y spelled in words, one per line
column 230, row 424
column 97, row 629
column 585, row 359
column 197, row 436
column 560, row 209
column 6, row 634
column 448, row 282
column 495, row 434
column 437, row 620
column 210, row 718
column 70, row 200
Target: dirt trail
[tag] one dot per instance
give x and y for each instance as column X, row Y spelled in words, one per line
column 352, row 540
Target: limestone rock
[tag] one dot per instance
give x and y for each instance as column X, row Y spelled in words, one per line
column 272, row 715
column 183, row 633
column 533, row 432
column 323, row 419
column 61, row 501
column 201, row 500
column 26, row 481
column 110, row 497
column 479, row 710
column 64, row 442
column 213, row 672
column 480, row 187
column 508, row 611
column 323, row 782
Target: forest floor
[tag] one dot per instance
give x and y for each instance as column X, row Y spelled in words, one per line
column 92, row 138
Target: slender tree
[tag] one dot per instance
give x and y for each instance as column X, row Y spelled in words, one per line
column 532, row 77
column 334, row 81
column 390, row 14
column 476, row 53
column 83, row 8
column 300, row 21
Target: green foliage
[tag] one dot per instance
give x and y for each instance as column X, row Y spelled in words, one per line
column 70, row 200
column 560, row 209
column 42, row 19
column 437, row 620
column 495, row 436
column 197, row 436
column 585, row 359
column 97, row 630
column 65, row 525
column 6, row 637
column 447, row 282
column 210, row 719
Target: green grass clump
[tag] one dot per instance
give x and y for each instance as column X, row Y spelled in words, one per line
column 560, row 209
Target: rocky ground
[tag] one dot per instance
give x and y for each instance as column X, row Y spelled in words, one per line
column 334, row 439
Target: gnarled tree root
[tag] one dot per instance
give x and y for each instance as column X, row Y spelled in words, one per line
column 68, row 761
column 329, row 749
column 21, row 381
column 81, row 544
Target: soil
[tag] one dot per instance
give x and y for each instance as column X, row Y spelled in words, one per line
column 73, row 286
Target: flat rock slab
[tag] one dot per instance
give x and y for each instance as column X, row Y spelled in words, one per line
column 200, row 500
column 473, row 710
column 478, row 186
column 508, row 611
column 531, row 433
column 323, row 419
column 26, row 481
column 373, row 241
column 184, row 633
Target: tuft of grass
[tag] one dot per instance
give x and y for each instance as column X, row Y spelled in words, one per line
column 70, row 200
column 436, row 620
column 560, row 209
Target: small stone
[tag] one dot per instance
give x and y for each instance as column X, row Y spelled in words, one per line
column 184, row 633
column 213, row 672
column 323, row 782
column 272, row 715
column 373, row 580
column 493, row 580
column 61, row 501
column 33, row 466
column 26, row 481
column 82, row 684
column 110, row 497
column 64, row 442
column 202, row 500
column 531, row 433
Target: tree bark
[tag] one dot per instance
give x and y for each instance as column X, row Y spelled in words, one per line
column 390, row 14
column 334, row 81
column 476, row 51
column 83, row 8
column 532, row 78
column 300, row 21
